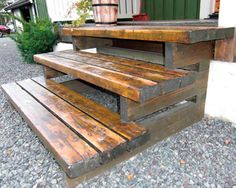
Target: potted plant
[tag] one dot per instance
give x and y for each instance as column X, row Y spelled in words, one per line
column 105, row 12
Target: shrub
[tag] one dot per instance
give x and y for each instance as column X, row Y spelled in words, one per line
column 39, row 37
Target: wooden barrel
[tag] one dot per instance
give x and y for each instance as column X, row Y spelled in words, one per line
column 105, row 12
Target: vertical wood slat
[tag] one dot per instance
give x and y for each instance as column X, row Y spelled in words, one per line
column 172, row 9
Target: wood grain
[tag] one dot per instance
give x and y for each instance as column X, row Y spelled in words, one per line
column 130, row 131
column 99, row 137
column 130, row 110
column 181, row 55
column 180, row 34
column 69, row 150
column 224, row 49
column 135, row 88
column 51, row 73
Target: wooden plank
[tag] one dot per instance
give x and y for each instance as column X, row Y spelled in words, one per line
column 130, row 110
column 224, row 49
column 181, row 34
column 51, row 73
column 180, row 118
column 168, row 80
column 181, row 55
column 157, row 47
column 135, row 88
column 69, row 150
column 154, row 75
column 81, row 43
column 102, row 139
column 131, row 131
column 132, row 54
column 128, row 62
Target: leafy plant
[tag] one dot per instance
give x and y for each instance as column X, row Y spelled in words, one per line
column 84, row 9
column 36, row 37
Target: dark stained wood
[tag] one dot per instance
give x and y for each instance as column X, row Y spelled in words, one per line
column 135, row 88
column 152, row 57
column 130, row 130
column 81, row 43
column 224, row 49
column 132, row 82
column 181, row 34
column 101, row 138
column 131, row 110
column 155, row 75
column 173, row 78
column 199, row 67
column 157, row 47
column 181, row 55
column 51, row 73
column 69, row 150
column 162, row 126
column 128, row 62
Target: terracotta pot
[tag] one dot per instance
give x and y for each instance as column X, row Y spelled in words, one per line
column 105, row 12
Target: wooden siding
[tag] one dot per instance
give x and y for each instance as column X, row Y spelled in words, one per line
column 172, row 9
column 42, row 11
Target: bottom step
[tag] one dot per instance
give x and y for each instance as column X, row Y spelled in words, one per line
column 80, row 133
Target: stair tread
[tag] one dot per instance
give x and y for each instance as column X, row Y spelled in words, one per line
column 136, row 80
column 69, row 150
column 80, row 133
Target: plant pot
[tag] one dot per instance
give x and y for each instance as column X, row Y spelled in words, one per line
column 141, row 17
column 105, row 12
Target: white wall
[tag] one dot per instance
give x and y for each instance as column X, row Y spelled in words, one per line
column 227, row 17
column 206, row 7
column 18, row 25
column 58, row 9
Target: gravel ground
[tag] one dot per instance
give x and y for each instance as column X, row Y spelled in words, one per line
column 203, row 155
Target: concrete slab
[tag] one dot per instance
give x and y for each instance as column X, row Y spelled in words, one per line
column 221, row 95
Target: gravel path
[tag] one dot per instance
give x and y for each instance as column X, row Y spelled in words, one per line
column 203, row 155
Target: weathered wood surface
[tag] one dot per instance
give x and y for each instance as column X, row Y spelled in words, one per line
column 224, row 49
column 131, row 110
column 161, row 126
column 129, row 131
column 136, row 80
column 132, row 54
column 180, row 34
column 80, row 43
column 51, row 73
column 103, row 139
column 69, row 150
column 80, row 133
column 181, row 55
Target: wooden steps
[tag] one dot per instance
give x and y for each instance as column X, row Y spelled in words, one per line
column 136, row 80
column 75, row 129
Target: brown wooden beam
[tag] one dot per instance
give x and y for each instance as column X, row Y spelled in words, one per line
column 181, row 55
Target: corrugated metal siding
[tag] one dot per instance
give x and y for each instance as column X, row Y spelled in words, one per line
column 172, row 9
column 42, row 10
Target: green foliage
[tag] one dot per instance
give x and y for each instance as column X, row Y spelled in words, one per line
column 39, row 37
column 84, row 8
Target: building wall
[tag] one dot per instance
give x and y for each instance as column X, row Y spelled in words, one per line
column 172, row 9
column 206, row 7
column 62, row 10
column 18, row 25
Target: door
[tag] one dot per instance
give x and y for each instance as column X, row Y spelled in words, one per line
column 172, row 9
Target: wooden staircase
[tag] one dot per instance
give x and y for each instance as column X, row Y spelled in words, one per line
column 81, row 134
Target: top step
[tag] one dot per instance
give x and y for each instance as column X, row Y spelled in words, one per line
column 136, row 80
